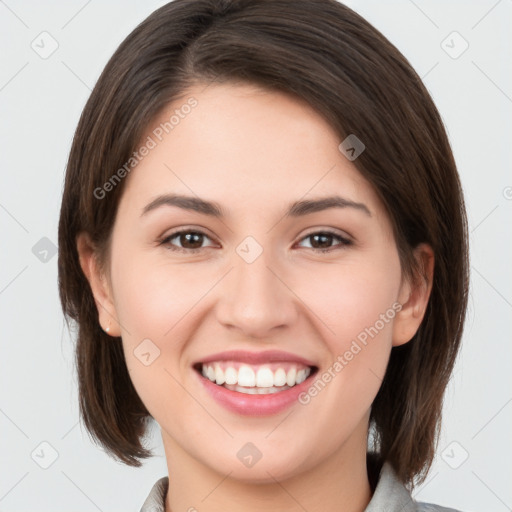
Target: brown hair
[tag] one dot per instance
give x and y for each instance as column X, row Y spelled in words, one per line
column 326, row 54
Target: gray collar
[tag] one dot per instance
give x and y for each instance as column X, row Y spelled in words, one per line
column 390, row 495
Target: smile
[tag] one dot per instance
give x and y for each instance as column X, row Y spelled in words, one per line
column 255, row 379
column 255, row 390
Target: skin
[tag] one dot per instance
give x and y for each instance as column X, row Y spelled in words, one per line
column 254, row 152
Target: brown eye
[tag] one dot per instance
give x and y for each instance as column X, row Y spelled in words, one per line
column 322, row 240
column 189, row 240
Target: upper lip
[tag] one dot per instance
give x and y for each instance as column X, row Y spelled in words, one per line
column 268, row 356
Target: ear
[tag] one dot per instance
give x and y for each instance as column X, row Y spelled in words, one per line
column 99, row 283
column 413, row 296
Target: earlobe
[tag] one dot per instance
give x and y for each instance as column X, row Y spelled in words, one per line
column 101, row 290
column 414, row 297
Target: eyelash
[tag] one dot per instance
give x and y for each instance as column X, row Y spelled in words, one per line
column 166, row 241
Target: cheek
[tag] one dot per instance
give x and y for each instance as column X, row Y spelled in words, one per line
column 352, row 296
column 152, row 303
column 355, row 313
column 152, row 296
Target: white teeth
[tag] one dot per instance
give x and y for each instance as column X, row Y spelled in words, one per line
column 264, row 378
column 290, row 377
column 246, row 377
column 219, row 375
column 210, row 373
column 249, row 378
column 257, row 391
column 280, row 377
column 231, row 376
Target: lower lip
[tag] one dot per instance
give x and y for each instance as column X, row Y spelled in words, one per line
column 254, row 405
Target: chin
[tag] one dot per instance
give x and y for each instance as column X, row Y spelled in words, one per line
column 265, row 470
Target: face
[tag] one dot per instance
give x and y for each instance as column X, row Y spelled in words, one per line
column 320, row 285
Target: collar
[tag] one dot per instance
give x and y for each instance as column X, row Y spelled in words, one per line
column 390, row 494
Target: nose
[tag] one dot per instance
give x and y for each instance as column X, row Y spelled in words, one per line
column 256, row 300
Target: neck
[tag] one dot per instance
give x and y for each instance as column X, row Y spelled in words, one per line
column 338, row 483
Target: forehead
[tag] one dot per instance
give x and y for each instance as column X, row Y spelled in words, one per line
column 246, row 147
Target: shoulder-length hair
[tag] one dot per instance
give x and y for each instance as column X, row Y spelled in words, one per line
column 322, row 52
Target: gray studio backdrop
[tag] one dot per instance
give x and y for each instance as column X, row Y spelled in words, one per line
column 52, row 54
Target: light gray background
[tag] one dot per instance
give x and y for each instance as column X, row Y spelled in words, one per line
column 40, row 102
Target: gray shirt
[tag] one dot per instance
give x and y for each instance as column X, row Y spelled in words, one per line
column 390, row 495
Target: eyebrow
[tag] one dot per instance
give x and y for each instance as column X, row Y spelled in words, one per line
column 213, row 209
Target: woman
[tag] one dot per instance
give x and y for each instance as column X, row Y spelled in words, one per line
column 263, row 243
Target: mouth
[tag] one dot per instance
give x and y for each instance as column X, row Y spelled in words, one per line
column 254, row 384
column 255, row 379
